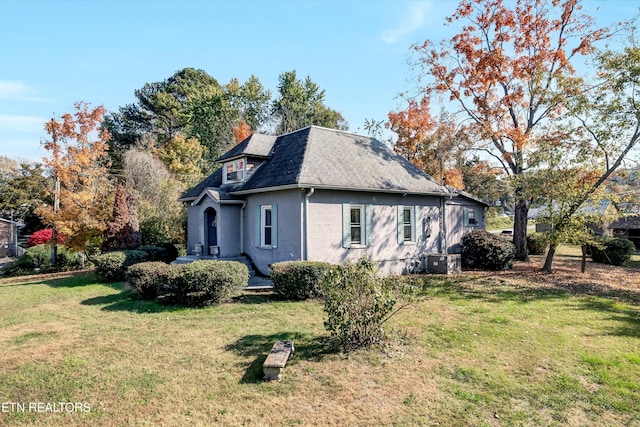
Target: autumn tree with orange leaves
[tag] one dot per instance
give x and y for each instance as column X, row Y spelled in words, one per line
column 510, row 72
column 78, row 162
column 434, row 144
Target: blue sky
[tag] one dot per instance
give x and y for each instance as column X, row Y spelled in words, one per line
column 54, row 53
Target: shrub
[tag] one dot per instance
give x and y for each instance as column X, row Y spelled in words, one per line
column 112, row 266
column 486, row 251
column 205, row 282
column 358, row 303
column 298, row 280
column 146, row 278
column 612, row 251
column 536, row 244
column 42, row 237
column 39, row 258
column 155, row 253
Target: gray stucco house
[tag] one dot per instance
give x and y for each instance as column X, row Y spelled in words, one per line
column 325, row 195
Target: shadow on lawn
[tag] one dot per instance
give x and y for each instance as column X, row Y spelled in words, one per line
column 624, row 320
column 307, row 347
column 622, row 305
column 123, row 301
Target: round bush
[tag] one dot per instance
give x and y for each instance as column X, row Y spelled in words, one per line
column 612, row 251
column 485, row 251
column 206, row 282
column 536, row 244
column 112, row 266
column 298, row 280
column 145, row 278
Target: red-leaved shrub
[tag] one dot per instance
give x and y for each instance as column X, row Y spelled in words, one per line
column 42, row 237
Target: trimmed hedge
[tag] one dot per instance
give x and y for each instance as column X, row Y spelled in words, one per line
column 485, row 251
column 298, row 280
column 612, row 251
column 146, row 278
column 112, row 266
column 536, row 244
column 204, row 282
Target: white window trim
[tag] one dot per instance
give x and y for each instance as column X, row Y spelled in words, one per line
column 363, row 228
column 263, row 226
column 239, row 166
column 412, row 219
column 471, row 215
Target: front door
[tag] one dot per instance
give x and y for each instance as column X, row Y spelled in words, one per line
column 211, row 218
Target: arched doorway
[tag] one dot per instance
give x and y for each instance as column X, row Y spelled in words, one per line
column 211, row 227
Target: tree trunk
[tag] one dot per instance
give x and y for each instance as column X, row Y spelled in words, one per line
column 548, row 262
column 583, row 265
column 520, row 229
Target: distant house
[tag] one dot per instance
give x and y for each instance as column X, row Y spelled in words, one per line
column 601, row 213
column 627, row 228
column 9, row 237
column 325, row 195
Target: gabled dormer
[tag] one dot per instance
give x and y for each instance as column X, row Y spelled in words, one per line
column 239, row 163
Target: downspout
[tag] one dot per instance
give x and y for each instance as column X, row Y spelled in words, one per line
column 244, row 205
column 443, row 226
column 305, row 242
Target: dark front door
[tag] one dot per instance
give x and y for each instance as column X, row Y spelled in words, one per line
column 212, row 227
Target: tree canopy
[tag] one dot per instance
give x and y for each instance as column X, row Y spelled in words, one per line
column 78, row 162
column 509, row 72
column 193, row 105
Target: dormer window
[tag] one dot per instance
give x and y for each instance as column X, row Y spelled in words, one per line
column 234, row 171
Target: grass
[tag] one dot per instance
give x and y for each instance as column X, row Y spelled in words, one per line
column 509, row 348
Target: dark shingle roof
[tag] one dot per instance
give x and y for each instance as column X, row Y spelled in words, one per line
column 627, row 223
column 323, row 158
column 256, row 145
column 330, row 158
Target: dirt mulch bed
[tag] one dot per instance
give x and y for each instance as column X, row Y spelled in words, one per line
column 21, row 280
column 599, row 279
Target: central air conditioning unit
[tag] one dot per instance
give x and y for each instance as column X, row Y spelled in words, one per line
column 443, row 263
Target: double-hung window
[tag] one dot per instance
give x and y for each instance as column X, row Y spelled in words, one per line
column 357, row 225
column 470, row 217
column 266, row 226
column 407, row 224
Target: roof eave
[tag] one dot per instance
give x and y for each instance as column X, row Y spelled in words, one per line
column 339, row 188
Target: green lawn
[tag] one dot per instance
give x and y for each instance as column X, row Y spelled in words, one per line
column 515, row 348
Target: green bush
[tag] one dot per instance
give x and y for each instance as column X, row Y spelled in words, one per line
column 536, row 244
column 205, row 282
column 38, row 259
column 146, row 278
column 112, row 266
column 38, row 256
column 358, row 302
column 486, row 251
column 155, row 253
column 612, row 251
column 298, row 280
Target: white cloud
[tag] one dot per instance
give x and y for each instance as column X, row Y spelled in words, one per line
column 21, row 123
column 18, row 90
column 414, row 19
